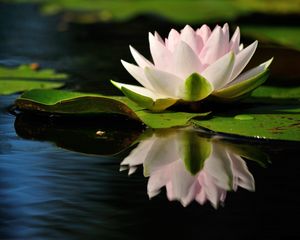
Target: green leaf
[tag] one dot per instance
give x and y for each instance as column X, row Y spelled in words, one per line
column 195, row 150
column 197, row 88
column 284, row 35
column 269, row 122
column 277, row 92
column 241, row 89
column 25, row 77
column 156, row 106
column 74, row 103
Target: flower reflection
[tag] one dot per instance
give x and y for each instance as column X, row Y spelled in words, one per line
column 191, row 167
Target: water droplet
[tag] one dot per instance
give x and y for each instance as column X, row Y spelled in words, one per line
column 243, row 117
column 100, row 133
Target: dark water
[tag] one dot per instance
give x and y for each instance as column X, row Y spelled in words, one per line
column 60, row 181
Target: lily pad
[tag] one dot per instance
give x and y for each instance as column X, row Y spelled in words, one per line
column 27, row 77
column 268, row 122
column 74, row 103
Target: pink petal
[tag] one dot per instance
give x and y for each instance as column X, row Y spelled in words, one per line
column 185, row 61
column 160, row 54
column 158, row 38
column 170, row 192
column 204, row 32
column 214, row 47
column 188, row 36
column 235, row 41
column 242, row 59
column 140, row 59
column 225, row 41
column 172, row 40
column 219, row 72
column 137, row 73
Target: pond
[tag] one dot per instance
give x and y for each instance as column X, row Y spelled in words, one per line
column 61, row 178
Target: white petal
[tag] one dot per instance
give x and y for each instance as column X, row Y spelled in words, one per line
column 172, row 40
column 241, row 173
column 219, row 72
column 182, row 181
column 242, row 59
column 251, row 73
column 139, row 90
column 132, row 170
column 155, row 183
column 139, row 58
column 164, row 83
column 213, row 49
column 235, row 41
column 241, row 47
column 137, row 73
column 188, row 36
column 138, row 155
column 160, row 54
column 185, row 61
column 219, row 166
column 163, row 152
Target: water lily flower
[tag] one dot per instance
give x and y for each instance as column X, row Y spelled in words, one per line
column 192, row 65
column 189, row 166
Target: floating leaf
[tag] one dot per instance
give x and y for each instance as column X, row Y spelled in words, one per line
column 27, row 77
column 269, row 122
column 74, row 103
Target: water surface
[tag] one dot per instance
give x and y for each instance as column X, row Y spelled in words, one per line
column 59, row 180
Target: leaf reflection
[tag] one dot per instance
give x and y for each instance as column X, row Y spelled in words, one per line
column 191, row 166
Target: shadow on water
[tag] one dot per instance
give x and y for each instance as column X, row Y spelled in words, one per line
column 50, row 192
column 106, row 135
